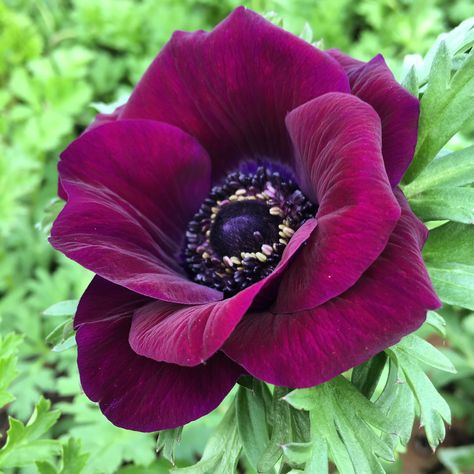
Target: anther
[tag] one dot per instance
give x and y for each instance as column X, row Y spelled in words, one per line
column 240, row 232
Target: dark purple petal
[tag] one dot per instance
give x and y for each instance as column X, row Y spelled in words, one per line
column 189, row 335
column 374, row 83
column 135, row 392
column 349, row 63
column 132, row 186
column 339, row 165
column 306, row 348
column 100, row 119
column 232, row 88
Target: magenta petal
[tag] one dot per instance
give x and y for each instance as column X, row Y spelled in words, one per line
column 232, row 88
column 306, row 348
column 339, row 165
column 132, row 187
column 374, row 83
column 189, row 335
column 100, row 119
column 135, row 392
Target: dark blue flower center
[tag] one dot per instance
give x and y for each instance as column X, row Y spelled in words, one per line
column 243, row 226
column 238, row 235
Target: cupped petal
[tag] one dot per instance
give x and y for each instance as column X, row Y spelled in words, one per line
column 232, row 88
column 306, row 348
column 339, row 165
column 132, row 186
column 134, row 392
column 100, row 119
column 189, row 335
column 399, row 111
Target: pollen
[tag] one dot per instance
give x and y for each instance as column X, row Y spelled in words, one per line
column 242, row 228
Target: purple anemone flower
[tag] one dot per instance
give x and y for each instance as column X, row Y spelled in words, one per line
column 242, row 216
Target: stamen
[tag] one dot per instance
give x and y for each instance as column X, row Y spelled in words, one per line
column 241, row 230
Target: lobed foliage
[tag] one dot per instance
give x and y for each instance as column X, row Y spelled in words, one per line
column 57, row 57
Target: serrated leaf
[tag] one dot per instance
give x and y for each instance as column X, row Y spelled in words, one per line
column 73, row 460
column 436, row 321
column 109, row 446
column 446, row 105
column 416, row 348
column 433, row 409
column 8, row 366
column 253, row 407
column 23, row 447
column 297, row 453
column 454, row 283
column 319, row 460
column 167, row 441
column 457, row 459
column 365, row 377
column 281, row 431
column 300, row 425
column 307, row 33
column 410, row 82
column 397, row 402
column 449, row 257
column 449, row 170
column 62, row 337
column 222, row 450
column 63, row 308
column 45, row 467
column 457, row 40
column 455, row 204
column 450, row 243
column 344, row 420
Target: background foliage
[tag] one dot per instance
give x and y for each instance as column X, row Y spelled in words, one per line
column 57, row 57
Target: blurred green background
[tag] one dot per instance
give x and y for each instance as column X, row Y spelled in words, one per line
column 60, row 62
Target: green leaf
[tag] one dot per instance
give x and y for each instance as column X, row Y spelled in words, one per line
column 23, row 447
column 454, row 283
column 297, row 453
column 307, row 33
column 45, row 467
column 446, row 171
column 300, row 425
column 62, row 337
column 73, row 460
column 409, row 355
column 398, row 403
column 455, row 204
column 416, row 348
column 167, row 441
column 281, row 432
column 446, row 105
column 457, row 459
column 8, row 366
column 253, row 407
column 457, row 41
column 63, row 308
column 161, row 466
column 222, row 450
column 410, row 82
column 450, row 243
column 366, row 376
column 109, row 446
column 449, row 256
column 346, row 425
column 437, row 322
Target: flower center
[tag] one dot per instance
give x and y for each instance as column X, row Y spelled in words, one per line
column 238, row 235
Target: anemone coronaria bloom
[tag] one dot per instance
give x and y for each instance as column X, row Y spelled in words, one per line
column 242, row 216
